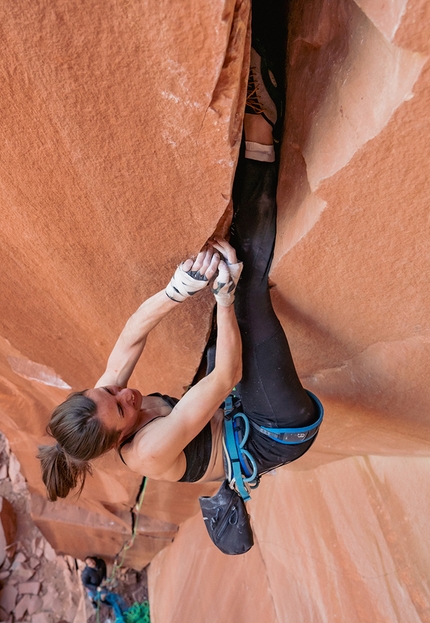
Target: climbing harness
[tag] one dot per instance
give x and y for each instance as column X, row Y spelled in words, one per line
column 242, row 470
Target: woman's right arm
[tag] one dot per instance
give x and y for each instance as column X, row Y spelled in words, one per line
column 131, row 342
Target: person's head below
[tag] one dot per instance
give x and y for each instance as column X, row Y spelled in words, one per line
column 81, row 436
column 91, row 562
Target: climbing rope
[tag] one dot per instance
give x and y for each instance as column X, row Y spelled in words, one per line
column 135, row 523
column 118, row 562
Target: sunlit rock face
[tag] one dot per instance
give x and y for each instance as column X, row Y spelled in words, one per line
column 121, row 126
column 342, row 534
column 353, row 218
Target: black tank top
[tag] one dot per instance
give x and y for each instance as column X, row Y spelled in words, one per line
column 197, row 452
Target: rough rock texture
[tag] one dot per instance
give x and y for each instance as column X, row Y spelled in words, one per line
column 342, row 534
column 346, row 541
column 121, row 125
column 8, row 526
column 35, row 584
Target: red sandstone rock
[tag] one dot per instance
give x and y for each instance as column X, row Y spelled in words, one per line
column 34, row 604
column 21, row 575
column 31, row 588
column 8, row 597
column 21, row 607
column 120, row 134
column 85, row 116
column 8, row 526
column 40, row 617
column 342, row 532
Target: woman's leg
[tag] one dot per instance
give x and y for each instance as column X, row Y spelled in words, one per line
column 271, row 392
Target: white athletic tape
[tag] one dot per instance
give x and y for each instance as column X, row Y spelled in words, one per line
column 235, row 271
column 184, row 284
column 226, row 283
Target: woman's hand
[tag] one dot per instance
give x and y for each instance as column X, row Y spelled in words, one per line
column 193, row 275
column 226, row 250
column 224, row 285
column 229, row 271
column 204, row 266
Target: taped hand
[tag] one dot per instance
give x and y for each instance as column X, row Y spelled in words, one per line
column 225, row 283
column 224, row 292
column 192, row 276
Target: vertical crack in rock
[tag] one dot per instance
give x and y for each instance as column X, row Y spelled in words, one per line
column 236, row 61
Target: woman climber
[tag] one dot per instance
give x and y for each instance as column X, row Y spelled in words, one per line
column 166, row 439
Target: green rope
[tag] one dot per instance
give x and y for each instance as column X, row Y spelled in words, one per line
column 138, row 613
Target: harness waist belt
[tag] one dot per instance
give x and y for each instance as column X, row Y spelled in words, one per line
column 294, row 435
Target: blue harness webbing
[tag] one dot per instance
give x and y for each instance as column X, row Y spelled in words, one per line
column 242, row 465
column 294, row 435
column 235, row 450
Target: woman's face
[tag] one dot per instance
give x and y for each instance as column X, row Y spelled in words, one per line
column 117, row 407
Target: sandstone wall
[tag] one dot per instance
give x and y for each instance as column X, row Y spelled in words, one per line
column 342, row 534
column 121, row 125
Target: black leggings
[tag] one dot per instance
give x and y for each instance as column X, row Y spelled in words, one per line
column 270, row 390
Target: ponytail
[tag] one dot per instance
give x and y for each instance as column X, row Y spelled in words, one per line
column 61, row 473
column 81, row 437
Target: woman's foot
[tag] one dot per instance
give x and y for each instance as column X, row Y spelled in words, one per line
column 264, row 100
